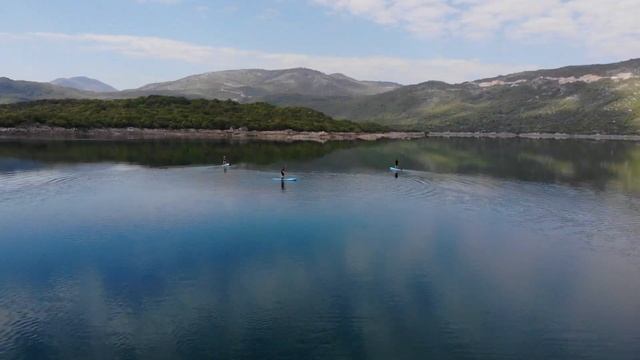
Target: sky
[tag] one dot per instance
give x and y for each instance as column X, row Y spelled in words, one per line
column 129, row 43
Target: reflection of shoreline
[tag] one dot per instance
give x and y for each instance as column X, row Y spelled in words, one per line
column 45, row 132
column 596, row 163
column 558, row 136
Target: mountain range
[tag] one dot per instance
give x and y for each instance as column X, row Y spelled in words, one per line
column 17, row 91
column 602, row 98
column 574, row 99
column 84, row 83
column 255, row 84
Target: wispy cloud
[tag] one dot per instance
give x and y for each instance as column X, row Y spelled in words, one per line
column 404, row 70
column 7, row 37
column 602, row 27
column 136, row 46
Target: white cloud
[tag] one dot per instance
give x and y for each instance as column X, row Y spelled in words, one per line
column 136, row 46
column 600, row 26
column 403, row 70
column 10, row 37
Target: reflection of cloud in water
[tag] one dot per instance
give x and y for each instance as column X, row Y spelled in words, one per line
column 162, row 263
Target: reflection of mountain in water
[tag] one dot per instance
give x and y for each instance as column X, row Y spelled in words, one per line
column 568, row 161
column 596, row 163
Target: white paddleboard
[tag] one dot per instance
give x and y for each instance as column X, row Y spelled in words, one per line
column 286, row 179
column 393, row 168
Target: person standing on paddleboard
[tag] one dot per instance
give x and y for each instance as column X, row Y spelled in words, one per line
column 283, row 172
column 397, row 164
column 224, row 160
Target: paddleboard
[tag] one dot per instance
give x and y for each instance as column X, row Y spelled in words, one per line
column 226, row 165
column 286, row 179
column 393, row 168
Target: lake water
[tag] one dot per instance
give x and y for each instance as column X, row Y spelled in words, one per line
column 480, row 249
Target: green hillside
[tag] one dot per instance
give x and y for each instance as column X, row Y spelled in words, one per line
column 540, row 105
column 171, row 113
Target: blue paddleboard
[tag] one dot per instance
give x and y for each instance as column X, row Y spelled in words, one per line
column 286, row 179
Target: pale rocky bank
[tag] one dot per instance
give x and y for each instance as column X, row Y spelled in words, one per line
column 44, row 132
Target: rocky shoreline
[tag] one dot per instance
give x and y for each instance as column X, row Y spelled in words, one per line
column 556, row 136
column 44, row 132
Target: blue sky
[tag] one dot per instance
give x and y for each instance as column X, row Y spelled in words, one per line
column 128, row 43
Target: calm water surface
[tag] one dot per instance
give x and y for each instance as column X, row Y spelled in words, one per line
column 481, row 249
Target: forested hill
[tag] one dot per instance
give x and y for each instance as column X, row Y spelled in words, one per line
column 160, row 112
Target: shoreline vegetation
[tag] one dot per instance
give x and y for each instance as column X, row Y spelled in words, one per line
column 173, row 113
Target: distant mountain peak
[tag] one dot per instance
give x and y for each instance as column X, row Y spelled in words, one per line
column 84, row 83
column 19, row 90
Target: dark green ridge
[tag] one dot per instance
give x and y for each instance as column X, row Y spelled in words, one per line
column 162, row 112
